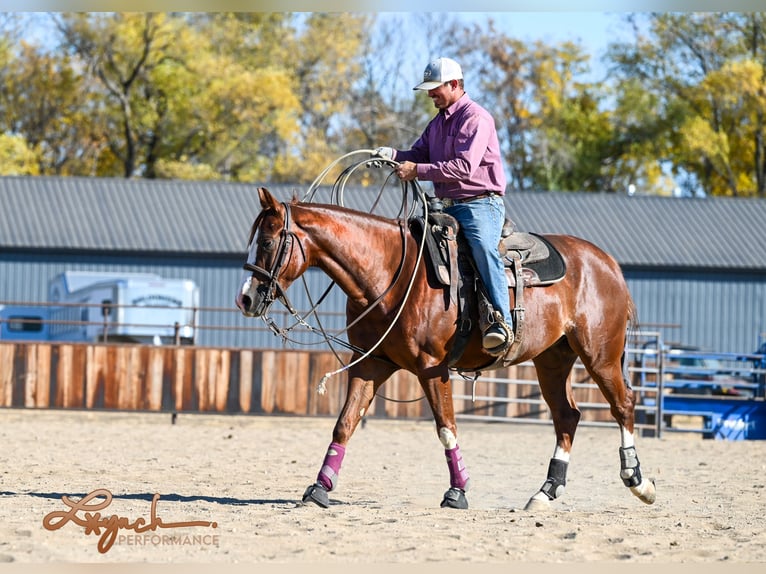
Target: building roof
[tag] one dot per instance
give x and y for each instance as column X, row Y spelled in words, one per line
column 654, row 231
column 204, row 218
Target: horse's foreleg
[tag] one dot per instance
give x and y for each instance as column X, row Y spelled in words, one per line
column 438, row 391
column 361, row 391
column 458, row 474
column 553, row 368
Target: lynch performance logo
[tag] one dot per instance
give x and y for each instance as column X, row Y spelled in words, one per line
column 86, row 513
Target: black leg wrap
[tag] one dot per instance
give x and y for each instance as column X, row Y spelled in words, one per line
column 553, row 487
column 631, row 469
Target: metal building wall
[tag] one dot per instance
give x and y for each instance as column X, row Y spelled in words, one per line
column 722, row 312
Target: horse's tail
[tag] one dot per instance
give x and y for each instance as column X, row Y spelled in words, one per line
column 632, row 328
column 632, row 315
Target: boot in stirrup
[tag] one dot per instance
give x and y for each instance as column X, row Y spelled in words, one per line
column 497, row 338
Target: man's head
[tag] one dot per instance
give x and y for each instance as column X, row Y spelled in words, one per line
column 443, row 80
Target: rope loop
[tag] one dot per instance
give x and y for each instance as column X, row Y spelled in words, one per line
column 419, row 205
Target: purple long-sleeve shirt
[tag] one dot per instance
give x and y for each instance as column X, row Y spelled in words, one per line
column 459, row 152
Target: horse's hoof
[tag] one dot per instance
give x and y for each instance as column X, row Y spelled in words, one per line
column 454, row 498
column 317, row 494
column 646, row 491
column 538, row 504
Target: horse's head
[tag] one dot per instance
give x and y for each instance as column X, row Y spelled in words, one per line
column 270, row 267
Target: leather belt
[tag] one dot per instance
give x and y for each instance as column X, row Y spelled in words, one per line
column 447, row 201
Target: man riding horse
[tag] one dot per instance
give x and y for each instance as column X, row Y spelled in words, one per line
column 459, row 152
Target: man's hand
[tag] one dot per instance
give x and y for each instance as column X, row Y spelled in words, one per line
column 407, row 171
column 384, row 153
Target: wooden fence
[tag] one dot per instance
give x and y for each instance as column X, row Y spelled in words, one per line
column 197, row 379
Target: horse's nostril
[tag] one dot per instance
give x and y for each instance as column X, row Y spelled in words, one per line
column 247, row 302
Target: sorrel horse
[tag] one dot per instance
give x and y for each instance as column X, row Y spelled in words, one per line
column 375, row 261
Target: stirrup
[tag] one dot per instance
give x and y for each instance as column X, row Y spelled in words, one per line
column 497, row 347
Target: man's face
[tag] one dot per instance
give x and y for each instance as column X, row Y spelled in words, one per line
column 445, row 95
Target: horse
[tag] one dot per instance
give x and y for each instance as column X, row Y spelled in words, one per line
column 408, row 321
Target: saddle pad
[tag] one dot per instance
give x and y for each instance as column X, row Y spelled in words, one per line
column 549, row 269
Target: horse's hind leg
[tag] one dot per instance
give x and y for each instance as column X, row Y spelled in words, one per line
column 364, row 381
column 607, row 371
column 553, row 367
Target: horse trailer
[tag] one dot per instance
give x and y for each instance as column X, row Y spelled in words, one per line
column 91, row 306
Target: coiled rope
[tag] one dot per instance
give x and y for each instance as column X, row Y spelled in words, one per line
column 337, row 197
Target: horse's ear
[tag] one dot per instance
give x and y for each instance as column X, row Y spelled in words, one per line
column 267, row 200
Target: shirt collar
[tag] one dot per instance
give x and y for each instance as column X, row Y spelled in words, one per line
column 462, row 102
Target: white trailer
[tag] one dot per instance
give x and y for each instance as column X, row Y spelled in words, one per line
column 135, row 307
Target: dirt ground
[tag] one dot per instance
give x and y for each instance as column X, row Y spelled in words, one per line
column 238, row 480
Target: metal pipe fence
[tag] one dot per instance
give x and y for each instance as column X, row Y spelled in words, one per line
column 724, row 392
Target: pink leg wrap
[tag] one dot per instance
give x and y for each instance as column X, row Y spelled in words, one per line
column 328, row 476
column 458, row 475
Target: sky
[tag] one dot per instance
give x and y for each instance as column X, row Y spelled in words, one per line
column 551, row 6
column 593, row 30
column 383, row 5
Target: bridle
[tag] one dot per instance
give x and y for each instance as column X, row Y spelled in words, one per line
column 269, row 290
column 268, row 287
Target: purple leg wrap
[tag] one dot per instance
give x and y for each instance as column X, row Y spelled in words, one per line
column 458, row 475
column 328, row 476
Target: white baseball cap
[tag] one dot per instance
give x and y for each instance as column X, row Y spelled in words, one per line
column 439, row 71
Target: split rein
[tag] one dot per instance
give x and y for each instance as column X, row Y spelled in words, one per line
column 272, row 291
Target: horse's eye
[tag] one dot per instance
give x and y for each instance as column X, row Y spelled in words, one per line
column 267, row 244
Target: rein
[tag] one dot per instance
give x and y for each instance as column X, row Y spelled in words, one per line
column 271, row 290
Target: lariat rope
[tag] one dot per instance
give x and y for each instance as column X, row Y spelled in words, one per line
column 337, row 193
column 322, row 387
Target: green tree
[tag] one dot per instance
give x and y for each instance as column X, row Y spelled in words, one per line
column 46, row 101
column 16, row 158
column 705, row 72
column 554, row 133
column 175, row 103
column 122, row 51
column 325, row 67
column 639, row 154
column 247, row 111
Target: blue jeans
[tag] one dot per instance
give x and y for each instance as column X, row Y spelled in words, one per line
column 481, row 222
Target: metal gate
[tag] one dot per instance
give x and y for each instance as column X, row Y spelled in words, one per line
column 718, row 395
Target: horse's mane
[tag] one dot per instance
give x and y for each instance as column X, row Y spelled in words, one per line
column 348, row 211
column 296, row 202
